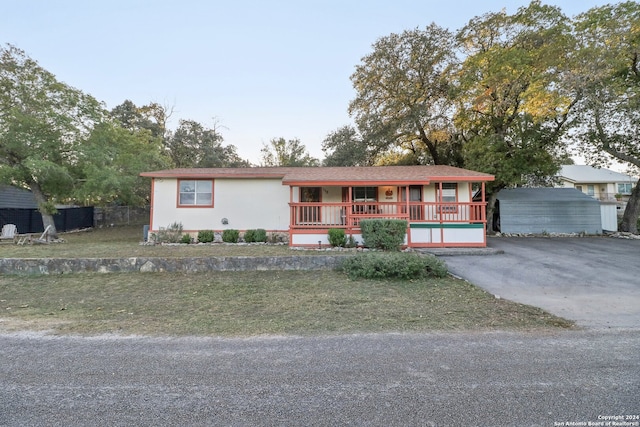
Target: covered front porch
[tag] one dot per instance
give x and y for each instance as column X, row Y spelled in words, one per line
column 439, row 214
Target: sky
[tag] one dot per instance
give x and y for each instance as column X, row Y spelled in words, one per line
column 255, row 70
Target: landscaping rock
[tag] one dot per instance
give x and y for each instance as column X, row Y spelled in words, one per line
column 35, row 266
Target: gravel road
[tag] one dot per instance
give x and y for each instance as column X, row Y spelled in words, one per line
column 453, row 379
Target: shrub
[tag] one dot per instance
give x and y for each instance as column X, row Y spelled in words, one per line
column 337, row 237
column 185, row 238
column 385, row 234
column 230, row 236
column 171, row 234
column 205, row 236
column 398, row 265
column 276, row 238
column 250, row 236
column 351, row 242
column 261, row 235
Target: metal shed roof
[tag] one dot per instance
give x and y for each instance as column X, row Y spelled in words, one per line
column 545, row 195
column 16, row 198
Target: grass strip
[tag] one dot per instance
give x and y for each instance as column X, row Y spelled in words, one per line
column 255, row 303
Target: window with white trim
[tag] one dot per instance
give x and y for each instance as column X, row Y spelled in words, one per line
column 449, row 195
column 195, row 193
column 625, row 188
column 449, row 192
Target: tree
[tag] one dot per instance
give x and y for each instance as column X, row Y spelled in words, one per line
column 512, row 109
column 43, row 124
column 403, row 92
column 608, row 77
column 345, row 147
column 281, row 152
column 195, row 146
column 152, row 117
column 111, row 161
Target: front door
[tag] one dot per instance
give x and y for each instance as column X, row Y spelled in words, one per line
column 415, row 195
column 309, row 213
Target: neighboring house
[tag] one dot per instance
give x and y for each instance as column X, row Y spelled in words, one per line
column 601, row 184
column 548, row 210
column 305, row 202
column 18, row 206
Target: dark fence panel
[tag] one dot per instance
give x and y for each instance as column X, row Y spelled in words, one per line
column 26, row 220
column 73, row 218
column 30, row 220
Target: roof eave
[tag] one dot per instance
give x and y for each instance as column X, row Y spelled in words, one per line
column 211, row 176
column 320, row 183
column 425, row 181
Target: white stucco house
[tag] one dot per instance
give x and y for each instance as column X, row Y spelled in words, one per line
column 599, row 183
column 611, row 188
column 305, row 202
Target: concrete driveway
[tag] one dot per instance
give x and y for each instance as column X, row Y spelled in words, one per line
column 594, row 281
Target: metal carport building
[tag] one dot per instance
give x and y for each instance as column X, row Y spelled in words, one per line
column 547, row 210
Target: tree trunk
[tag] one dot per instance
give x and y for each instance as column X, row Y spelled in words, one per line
column 433, row 150
column 47, row 218
column 632, row 211
column 491, row 207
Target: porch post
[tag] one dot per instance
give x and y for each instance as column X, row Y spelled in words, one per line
column 441, row 214
column 407, row 207
column 484, row 208
column 291, row 210
column 407, row 196
column 349, row 210
column 484, row 212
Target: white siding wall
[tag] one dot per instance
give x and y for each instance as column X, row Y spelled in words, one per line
column 246, row 203
column 609, row 216
column 464, row 192
column 566, row 184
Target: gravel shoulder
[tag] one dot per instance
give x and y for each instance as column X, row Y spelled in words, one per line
column 489, row 379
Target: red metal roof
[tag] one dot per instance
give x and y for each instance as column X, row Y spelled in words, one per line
column 391, row 175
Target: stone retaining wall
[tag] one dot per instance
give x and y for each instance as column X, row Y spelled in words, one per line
column 145, row 265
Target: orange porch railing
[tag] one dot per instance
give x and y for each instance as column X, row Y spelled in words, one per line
column 348, row 215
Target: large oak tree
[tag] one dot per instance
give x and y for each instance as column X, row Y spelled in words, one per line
column 512, row 108
column 43, row 124
column 608, row 76
column 403, row 94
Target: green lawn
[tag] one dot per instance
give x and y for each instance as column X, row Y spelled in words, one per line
column 124, row 242
column 239, row 303
column 254, row 303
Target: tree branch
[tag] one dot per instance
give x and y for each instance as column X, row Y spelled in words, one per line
column 430, row 145
column 606, row 144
